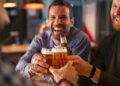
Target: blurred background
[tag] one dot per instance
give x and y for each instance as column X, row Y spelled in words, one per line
column 91, row 16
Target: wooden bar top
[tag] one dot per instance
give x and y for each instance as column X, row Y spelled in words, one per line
column 13, row 48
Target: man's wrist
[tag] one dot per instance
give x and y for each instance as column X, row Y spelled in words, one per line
column 64, row 82
column 92, row 72
column 96, row 76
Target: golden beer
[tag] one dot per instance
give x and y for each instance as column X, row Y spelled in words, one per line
column 47, row 53
column 59, row 57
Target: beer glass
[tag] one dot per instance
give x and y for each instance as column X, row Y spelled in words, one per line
column 47, row 53
column 59, row 55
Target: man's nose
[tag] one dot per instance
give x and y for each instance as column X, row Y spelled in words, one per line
column 58, row 21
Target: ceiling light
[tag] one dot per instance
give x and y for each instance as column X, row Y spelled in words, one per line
column 34, row 4
column 9, row 4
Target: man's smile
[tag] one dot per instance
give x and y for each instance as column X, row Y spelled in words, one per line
column 58, row 31
column 117, row 20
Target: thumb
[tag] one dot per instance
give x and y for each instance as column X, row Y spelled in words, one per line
column 55, row 73
column 51, row 69
column 69, row 63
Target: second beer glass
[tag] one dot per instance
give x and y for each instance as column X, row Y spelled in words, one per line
column 59, row 57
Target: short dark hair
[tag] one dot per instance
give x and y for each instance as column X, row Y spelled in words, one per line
column 62, row 3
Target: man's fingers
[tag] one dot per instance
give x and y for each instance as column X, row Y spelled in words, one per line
column 40, row 60
column 69, row 63
column 35, row 78
column 73, row 57
column 38, row 68
column 56, row 74
column 34, row 73
column 38, row 56
column 42, row 64
column 76, row 59
column 52, row 70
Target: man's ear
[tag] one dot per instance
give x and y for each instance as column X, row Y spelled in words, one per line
column 72, row 22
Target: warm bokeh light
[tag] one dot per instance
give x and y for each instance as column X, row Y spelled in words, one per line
column 44, row 26
column 37, row 6
column 9, row 5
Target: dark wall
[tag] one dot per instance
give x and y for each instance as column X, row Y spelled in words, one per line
column 5, row 35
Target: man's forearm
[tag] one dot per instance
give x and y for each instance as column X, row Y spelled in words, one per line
column 95, row 76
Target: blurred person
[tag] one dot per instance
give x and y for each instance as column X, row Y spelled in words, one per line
column 60, row 20
column 4, row 19
column 107, row 56
column 8, row 76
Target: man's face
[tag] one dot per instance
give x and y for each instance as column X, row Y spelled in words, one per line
column 115, row 14
column 59, row 21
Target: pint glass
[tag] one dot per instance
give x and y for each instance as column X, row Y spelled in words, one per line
column 59, row 57
column 47, row 53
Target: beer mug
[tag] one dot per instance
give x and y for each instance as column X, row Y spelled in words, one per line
column 47, row 53
column 59, row 55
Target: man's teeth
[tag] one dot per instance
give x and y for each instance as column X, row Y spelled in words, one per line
column 118, row 19
column 57, row 29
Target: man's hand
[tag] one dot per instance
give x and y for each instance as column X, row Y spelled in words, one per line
column 83, row 67
column 68, row 72
column 38, row 67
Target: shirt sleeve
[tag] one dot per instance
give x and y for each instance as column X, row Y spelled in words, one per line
column 81, row 47
column 25, row 61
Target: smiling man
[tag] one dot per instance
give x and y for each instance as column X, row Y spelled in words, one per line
column 60, row 20
column 107, row 57
column 115, row 14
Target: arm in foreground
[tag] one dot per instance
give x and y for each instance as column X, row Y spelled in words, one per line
column 100, row 78
column 66, row 75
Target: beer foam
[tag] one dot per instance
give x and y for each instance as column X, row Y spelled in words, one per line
column 46, row 51
column 59, row 49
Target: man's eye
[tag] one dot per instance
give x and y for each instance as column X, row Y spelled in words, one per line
column 63, row 17
column 52, row 17
column 114, row 6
